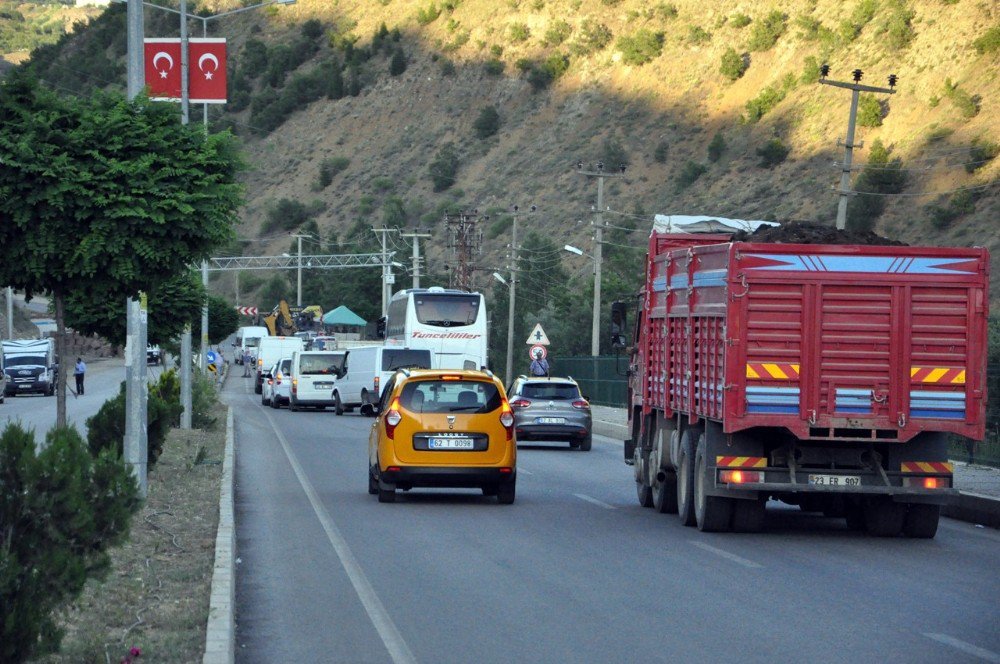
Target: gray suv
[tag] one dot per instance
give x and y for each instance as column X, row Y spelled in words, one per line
column 550, row 409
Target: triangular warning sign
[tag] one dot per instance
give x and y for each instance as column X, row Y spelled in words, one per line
column 537, row 336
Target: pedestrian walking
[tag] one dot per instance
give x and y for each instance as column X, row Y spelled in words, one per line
column 78, row 373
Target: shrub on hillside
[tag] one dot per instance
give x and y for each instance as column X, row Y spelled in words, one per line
column 641, row 47
column 898, row 25
column 557, row 33
column 989, row 42
column 772, row 153
column 762, row 104
column 981, row 153
column 869, row 111
column 664, row 11
column 740, row 20
column 518, row 32
column 690, row 172
column 286, row 214
column 312, row 29
column 493, row 67
column 541, row 75
column 881, row 175
column 329, row 168
column 716, row 147
column 733, row 64
column 614, row 154
column 253, row 61
column 428, row 14
column 861, row 15
column 62, row 509
column 766, row 33
column 593, row 36
column 488, row 122
column 959, row 204
column 398, row 63
column 698, row 35
column 967, row 105
column 810, row 70
column 444, row 168
column 661, row 152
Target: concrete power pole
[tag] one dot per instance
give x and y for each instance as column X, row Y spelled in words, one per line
column 416, row 255
column 298, row 277
column 135, row 349
column 387, row 277
column 509, row 375
column 600, row 174
column 10, row 312
column 845, row 170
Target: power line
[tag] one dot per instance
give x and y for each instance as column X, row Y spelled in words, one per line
column 928, row 193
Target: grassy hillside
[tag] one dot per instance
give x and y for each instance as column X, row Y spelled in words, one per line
column 483, row 104
column 26, row 25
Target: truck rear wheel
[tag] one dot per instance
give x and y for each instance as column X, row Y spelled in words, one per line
column 883, row 517
column 642, row 490
column 665, row 492
column 921, row 520
column 712, row 513
column 685, row 479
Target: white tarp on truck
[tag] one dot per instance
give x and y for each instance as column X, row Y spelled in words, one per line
column 682, row 223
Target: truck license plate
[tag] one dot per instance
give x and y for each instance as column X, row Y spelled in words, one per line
column 451, row 443
column 835, row 480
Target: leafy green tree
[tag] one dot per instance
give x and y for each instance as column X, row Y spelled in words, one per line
column 882, row 175
column 869, row 111
column 765, row 33
column 444, row 168
column 106, row 195
column 733, row 65
column 61, row 510
column 398, row 63
column 488, row 122
column 642, row 47
column 223, row 319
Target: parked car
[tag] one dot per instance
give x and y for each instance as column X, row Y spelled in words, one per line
column 280, row 388
column 267, row 384
column 153, row 354
column 550, row 408
column 442, row 428
column 324, row 343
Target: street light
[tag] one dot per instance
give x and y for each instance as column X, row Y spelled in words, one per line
column 499, row 277
column 573, row 250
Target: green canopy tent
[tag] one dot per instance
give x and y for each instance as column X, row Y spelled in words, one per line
column 343, row 319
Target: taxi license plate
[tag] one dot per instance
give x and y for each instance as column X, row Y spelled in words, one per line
column 451, row 443
column 552, row 420
column 835, row 480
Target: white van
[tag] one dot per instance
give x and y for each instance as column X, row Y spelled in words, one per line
column 248, row 338
column 313, row 373
column 367, row 369
column 270, row 350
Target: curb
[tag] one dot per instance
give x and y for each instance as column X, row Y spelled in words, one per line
column 967, row 506
column 220, row 635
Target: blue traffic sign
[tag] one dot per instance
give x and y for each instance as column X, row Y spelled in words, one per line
column 212, row 357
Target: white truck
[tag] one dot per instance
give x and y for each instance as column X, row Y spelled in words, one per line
column 30, row 366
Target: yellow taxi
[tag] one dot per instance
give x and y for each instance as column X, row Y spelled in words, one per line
column 442, row 428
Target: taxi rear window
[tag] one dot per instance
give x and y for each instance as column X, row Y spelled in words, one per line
column 452, row 396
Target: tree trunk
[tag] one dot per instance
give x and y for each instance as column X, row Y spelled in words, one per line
column 64, row 364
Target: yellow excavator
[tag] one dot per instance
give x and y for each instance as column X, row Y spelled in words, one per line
column 280, row 322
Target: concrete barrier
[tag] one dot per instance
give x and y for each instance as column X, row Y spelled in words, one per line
column 220, row 635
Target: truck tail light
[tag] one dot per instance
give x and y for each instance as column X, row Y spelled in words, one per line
column 739, row 476
column 927, row 482
column 392, row 419
column 507, row 419
column 581, row 404
column 520, row 402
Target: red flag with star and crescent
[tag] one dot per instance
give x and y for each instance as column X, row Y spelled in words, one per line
column 207, row 70
column 163, row 69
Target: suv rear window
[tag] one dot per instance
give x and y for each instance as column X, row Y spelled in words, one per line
column 328, row 363
column 450, row 396
column 405, row 358
column 554, row 391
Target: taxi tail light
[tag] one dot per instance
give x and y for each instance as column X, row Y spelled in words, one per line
column 739, row 476
column 581, row 404
column 520, row 402
column 507, row 419
column 392, row 419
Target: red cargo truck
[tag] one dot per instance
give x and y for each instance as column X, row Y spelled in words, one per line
column 826, row 376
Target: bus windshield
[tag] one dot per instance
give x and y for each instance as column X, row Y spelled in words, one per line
column 449, row 310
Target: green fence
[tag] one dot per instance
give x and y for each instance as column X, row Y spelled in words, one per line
column 602, row 379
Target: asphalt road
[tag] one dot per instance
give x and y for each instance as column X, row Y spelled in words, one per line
column 574, row 571
column 38, row 412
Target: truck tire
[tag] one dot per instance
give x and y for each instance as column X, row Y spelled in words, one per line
column 748, row 516
column 685, row 478
column 712, row 513
column 665, row 492
column 642, row 490
column 883, row 517
column 921, row 520
column 338, row 407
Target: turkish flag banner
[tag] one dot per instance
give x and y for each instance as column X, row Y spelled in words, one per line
column 207, row 70
column 163, row 68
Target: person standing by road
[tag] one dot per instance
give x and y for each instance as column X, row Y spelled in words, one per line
column 539, row 365
column 78, row 373
column 247, row 361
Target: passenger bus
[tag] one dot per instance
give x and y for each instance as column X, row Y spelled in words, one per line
column 449, row 323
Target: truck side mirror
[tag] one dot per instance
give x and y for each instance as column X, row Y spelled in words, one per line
column 617, row 326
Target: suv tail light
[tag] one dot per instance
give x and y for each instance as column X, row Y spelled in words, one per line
column 581, row 404
column 520, row 402
column 507, row 419
column 392, row 418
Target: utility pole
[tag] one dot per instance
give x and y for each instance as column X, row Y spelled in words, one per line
column 387, row 277
column 10, row 312
column 298, row 281
column 600, row 174
column 845, row 169
column 135, row 445
column 509, row 375
column 466, row 242
column 416, row 255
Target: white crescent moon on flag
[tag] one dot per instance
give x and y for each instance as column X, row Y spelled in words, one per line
column 163, row 54
column 208, row 56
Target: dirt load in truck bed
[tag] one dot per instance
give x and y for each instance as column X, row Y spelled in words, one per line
column 800, row 232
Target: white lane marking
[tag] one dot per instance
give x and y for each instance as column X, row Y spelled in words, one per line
column 393, row 640
column 728, row 556
column 594, row 501
column 521, row 469
column 967, row 648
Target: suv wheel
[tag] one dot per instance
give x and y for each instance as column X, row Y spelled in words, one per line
column 506, row 492
column 586, row 443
